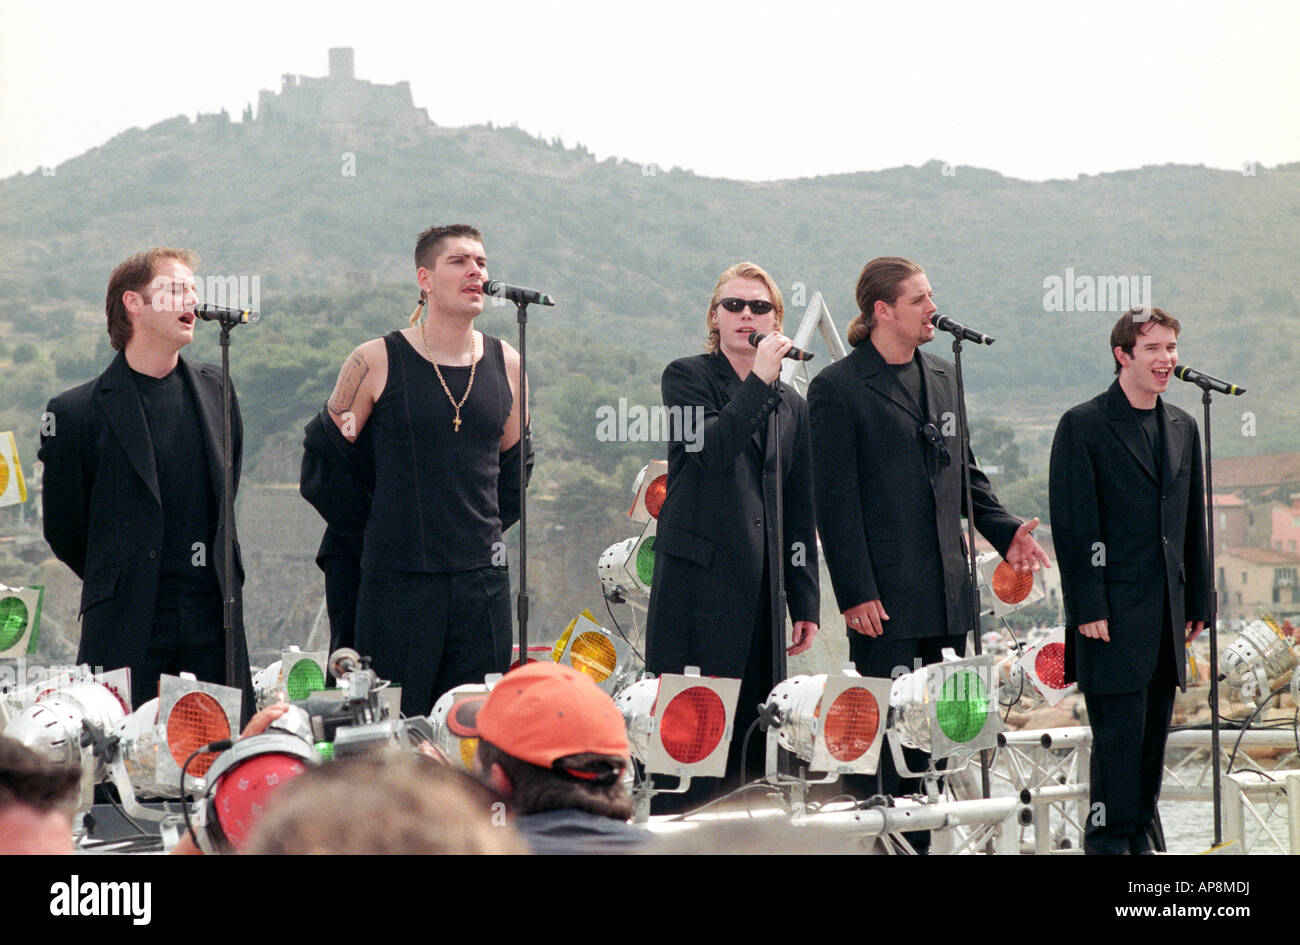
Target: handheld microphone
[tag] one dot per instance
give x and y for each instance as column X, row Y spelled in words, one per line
column 944, row 323
column 794, row 354
column 1205, row 382
column 216, row 313
column 517, row 294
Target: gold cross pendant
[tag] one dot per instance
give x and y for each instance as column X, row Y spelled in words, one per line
column 456, row 425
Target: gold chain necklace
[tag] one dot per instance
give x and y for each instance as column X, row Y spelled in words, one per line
column 473, row 363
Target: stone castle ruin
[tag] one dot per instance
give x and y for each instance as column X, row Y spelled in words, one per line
column 340, row 98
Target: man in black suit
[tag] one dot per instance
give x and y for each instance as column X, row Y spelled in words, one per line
column 1128, row 519
column 713, row 602
column 133, row 488
column 889, row 496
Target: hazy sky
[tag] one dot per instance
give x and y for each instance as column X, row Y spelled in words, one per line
column 786, row 89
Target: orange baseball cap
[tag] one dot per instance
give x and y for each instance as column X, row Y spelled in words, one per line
column 543, row 711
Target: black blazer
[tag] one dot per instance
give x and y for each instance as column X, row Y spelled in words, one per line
column 103, row 511
column 888, row 510
column 711, row 537
column 1126, row 542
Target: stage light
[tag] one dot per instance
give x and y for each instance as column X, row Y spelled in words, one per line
column 594, row 651
column 241, row 780
column 294, row 676
column 20, row 619
column 155, row 740
column 1002, row 589
column 947, row 709
column 1043, row 665
column 680, row 725
column 629, row 565
column 1261, row 652
column 835, row 723
column 650, row 490
column 454, row 718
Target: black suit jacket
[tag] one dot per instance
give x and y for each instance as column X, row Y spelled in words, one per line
column 714, row 527
column 103, row 511
column 1127, row 542
column 888, row 510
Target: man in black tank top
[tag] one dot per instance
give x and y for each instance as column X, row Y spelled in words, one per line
column 441, row 404
column 133, row 488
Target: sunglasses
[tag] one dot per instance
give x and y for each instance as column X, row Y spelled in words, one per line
column 757, row 306
column 930, row 433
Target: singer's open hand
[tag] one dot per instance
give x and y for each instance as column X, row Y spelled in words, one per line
column 1025, row 554
column 767, row 363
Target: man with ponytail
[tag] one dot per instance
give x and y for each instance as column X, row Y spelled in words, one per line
column 888, row 492
column 440, row 403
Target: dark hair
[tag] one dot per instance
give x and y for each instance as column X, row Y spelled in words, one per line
column 1135, row 322
column 28, row 779
column 134, row 275
column 878, row 282
column 430, row 241
column 536, row 789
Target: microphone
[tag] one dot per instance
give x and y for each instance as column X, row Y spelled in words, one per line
column 944, row 323
column 1205, row 382
column 794, row 354
column 216, row 313
column 517, row 294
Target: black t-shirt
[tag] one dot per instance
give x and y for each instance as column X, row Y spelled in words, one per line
column 909, row 375
column 189, row 500
column 1150, row 424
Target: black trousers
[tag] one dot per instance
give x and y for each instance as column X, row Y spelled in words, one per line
column 185, row 638
column 430, row 632
column 1129, row 731
column 755, row 686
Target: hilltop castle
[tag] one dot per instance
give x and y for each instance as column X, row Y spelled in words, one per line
column 339, row 98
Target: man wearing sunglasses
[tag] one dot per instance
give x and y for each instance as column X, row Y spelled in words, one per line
column 713, row 602
column 889, row 496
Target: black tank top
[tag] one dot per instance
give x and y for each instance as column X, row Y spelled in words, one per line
column 435, row 504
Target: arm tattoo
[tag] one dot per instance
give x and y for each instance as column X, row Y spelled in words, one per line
column 354, row 372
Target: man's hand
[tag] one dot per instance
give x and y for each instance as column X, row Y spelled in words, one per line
column 802, row 637
column 258, row 723
column 767, row 363
column 867, row 618
column 1025, row 554
column 1097, row 630
column 1192, row 634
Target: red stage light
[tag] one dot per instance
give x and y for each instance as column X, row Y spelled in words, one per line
column 851, row 724
column 195, row 720
column 1049, row 665
column 692, row 724
column 1009, row 586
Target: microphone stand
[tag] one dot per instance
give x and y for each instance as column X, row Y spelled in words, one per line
column 228, row 319
column 963, row 444
column 521, row 600
column 776, row 563
column 1214, row 617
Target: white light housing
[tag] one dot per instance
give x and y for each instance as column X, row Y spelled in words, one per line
column 1002, row 590
column 947, row 708
column 681, row 725
column 629, row 565
column 835, row 723
column 650, row 490
column 20, row 619
column 454, row 719
column 1043, row 665
column 592, row 650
